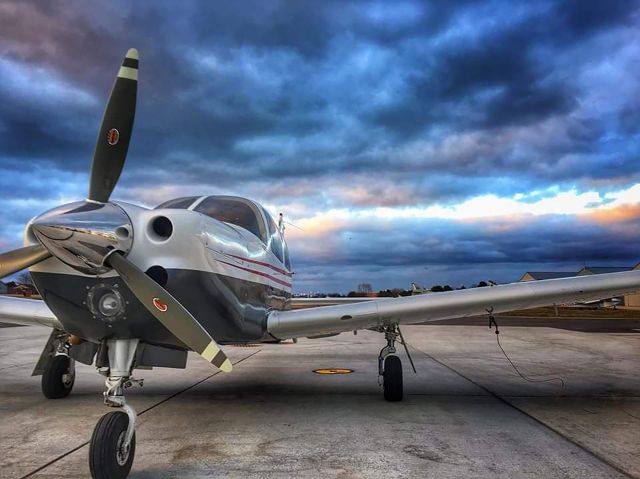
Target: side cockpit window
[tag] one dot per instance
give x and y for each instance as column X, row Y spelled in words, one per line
column 274, row 242
column 178, row 203
column 234, row 211
column 287, row 259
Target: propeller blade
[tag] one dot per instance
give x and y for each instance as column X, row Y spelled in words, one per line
column 18, row 259
column 115, row 131
column 169, row 312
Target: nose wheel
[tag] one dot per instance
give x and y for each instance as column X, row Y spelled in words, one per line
column 110, row 454
column 113, row 442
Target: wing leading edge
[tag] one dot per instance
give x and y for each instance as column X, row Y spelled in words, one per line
column 448, row 305
column 301, row 303
column 27, row 312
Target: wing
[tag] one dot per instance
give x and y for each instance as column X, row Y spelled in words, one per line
column 27, row 312
column 448, row 305
column 302, row 303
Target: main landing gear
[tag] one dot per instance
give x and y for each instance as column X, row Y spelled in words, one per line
column 58, row 377
column 113, row 443
column 390, row 365
column 58, row 370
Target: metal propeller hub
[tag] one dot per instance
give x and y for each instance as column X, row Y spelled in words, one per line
column 84, row 233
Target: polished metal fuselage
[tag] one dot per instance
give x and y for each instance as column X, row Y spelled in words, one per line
column 226, row 277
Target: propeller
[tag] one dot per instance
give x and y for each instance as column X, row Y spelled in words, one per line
column 108, row 158
column 169, row 311
column 19, row 259
column 115, row 131
column 83, row 234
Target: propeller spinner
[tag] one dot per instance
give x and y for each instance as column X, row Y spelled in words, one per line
column 94, row 236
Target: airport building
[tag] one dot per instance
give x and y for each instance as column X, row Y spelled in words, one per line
column 538, row 275
column 629, row 301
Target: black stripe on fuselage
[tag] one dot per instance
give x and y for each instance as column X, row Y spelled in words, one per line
column 230, row 309
column 130, row 62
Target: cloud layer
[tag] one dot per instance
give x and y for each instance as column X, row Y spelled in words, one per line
column 474, row 139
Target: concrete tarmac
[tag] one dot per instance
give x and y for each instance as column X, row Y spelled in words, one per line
column 466, row 413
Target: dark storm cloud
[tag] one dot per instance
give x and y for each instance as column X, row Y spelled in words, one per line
column 317, row 105
column 208, row 110
column 461, row 253
column 504, row 62
column 445, row 242
column 42, row 135
column 583, row 18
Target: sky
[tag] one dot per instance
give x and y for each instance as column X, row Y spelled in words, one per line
column 436, row 142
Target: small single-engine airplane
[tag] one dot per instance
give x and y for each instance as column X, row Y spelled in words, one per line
column 127, row 287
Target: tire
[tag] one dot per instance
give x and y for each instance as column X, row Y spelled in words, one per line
column 104, row 459
column 392, row 378
column 53, row 383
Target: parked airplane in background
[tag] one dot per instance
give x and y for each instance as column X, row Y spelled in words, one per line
column 417, row 289
column 127, row 287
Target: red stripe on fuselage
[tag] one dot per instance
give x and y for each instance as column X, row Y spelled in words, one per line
column 261, row 263
column 259, row 273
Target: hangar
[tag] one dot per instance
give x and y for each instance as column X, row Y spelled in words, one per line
column 629, row 301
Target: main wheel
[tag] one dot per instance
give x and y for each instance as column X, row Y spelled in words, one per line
column 58, row 377
column 108, row 458
column 392, row 378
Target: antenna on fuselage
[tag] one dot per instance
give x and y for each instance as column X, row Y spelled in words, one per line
column 282, row 222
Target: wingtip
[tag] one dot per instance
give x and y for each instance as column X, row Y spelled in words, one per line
column 132, row 53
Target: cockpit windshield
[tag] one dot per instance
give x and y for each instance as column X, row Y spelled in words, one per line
column 236, row 211
column 178, row 203
column 240, row 212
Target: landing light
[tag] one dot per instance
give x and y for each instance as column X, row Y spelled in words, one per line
column 106, row 302
column 110, row 304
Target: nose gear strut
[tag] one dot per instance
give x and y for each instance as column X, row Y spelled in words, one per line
column 113, row 441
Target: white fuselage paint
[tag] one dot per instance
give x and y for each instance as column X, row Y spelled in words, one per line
column 198, row 243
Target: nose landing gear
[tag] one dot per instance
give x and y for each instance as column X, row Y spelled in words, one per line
column 113, row 443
